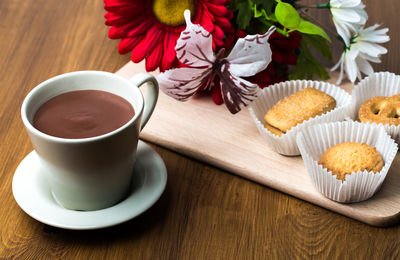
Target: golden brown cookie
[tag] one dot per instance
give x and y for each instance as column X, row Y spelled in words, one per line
column 273, row 130
column 349, row 157
column 296, row 108
column 384, row 110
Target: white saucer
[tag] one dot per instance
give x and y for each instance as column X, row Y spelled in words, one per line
column 32, row 193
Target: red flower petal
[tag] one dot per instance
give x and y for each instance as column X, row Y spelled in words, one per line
column 129, row 12
column 146, row 46
column 216, row 92
column 154, row 37
column 221, row 2
column 290, row 58
column 127, row 44
column 283, row 55
column 116, row 20
column 218, row 33
column 164, row 64
column 115, row 6
column 119, row 32
column 229, row 41
column 129, row 29
column 206, row 21
column 120, row 6
column 218, row 10
column 141, row 28
column 291, row 42
column 264, row 78
column 230, row 15
column 218, row 42
column 224, row 23
column 169, row 51
column 241, row 34
column 277, row 56
column 154, row 59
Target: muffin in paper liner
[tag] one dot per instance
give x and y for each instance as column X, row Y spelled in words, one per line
column 313, row 141
column 286, row 144
column 377, row 84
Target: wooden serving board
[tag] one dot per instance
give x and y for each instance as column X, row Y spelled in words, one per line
column 209, row 133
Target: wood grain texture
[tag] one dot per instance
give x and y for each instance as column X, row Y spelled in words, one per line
column 205, row 213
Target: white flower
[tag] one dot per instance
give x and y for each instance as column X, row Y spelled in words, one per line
column 348, row 16
column 363, row 48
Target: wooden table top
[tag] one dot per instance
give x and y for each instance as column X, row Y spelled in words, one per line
column 203, row 213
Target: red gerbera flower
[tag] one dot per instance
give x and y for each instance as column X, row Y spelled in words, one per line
column 150, row 28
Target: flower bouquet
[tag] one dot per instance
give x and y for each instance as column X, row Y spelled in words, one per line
column 232, row 49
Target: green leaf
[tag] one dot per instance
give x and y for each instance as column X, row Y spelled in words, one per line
column 273, row 18
column 307, row 66
column 310, row 28
column 261, row 13
column 244, row 16
column 262, row 16
column 266, row 5
column 243, row 12
column 287, row 15
column 319, row 44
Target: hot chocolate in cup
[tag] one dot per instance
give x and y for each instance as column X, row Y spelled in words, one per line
column 93, row 170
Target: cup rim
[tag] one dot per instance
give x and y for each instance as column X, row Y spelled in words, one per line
column 43, row 84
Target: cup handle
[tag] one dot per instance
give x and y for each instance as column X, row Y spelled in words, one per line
column 151, row 96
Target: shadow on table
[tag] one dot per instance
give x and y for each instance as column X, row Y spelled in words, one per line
column 129, row 230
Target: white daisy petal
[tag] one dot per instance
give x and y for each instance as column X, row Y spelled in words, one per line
column 351, row 65
column 362, row 13
column 382, row 31
column 371, row 28
column 345, row 3
column 364, row 66
column 376, row 38
column 340, row 75
column 362, row 50
column 382, row 50
column 372, row 49
column 337, row 64
column 368, row 57
column 343, row 32
column 340, row 63
column 348, row 16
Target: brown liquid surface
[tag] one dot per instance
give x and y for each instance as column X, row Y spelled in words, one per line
column 83, row 114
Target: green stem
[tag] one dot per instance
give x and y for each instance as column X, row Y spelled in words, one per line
column 327, row 5
column 283, row 32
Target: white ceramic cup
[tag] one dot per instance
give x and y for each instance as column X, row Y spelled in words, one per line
column 90, row 173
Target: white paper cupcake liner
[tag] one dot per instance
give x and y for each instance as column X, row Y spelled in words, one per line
column 286, row 144
column 377, row 84
column 315, row 140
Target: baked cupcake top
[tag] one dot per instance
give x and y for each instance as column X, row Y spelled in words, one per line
column 350, row 157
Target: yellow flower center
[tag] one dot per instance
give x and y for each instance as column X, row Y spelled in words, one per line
column 170, row 12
